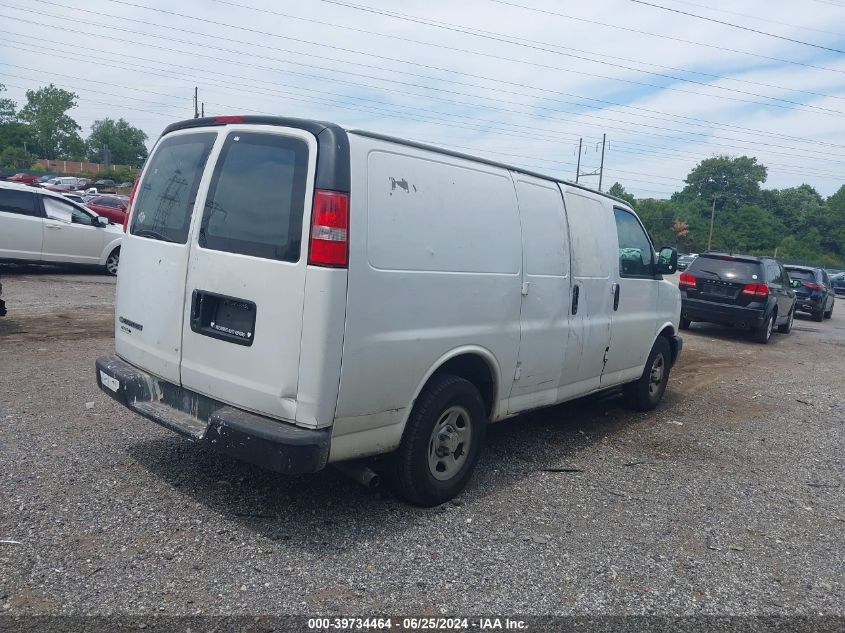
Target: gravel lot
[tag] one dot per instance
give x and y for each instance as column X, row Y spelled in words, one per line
column 728, row 499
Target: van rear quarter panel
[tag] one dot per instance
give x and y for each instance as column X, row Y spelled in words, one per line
column 434, row 266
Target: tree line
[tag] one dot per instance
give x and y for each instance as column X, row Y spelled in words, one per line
column 796, row 224
column 42, row 128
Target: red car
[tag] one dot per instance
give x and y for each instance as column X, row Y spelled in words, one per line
column 109, row 207
column 26, row 179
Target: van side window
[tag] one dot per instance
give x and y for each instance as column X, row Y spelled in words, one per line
column 636, row 254
column 65, row 212
column 166, row 195
column 256, row 199
column 18, row 202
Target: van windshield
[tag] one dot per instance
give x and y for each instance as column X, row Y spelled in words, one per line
column 256, row 198
column 166, row 194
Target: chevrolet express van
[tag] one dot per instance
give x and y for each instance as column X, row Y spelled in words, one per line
column 295, row 294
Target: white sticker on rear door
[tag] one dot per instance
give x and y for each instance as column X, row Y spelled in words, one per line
column 108, row 381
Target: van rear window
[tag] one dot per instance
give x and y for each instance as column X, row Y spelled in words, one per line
column 166, row 195
column 726, row 269
column 256, row 199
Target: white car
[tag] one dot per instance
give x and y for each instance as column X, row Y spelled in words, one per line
column 41, row 226
column 324, row 295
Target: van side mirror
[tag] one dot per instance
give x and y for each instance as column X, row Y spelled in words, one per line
column 667, row 261
column 101, row 221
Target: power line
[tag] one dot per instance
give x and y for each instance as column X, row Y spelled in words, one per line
column 627, row 107
column 630, row 81
column 740, row 27
column 515, row 41
column 666, row 36
column 427, row 112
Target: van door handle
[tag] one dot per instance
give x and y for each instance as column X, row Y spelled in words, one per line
column 615, row 297
column 575, row 292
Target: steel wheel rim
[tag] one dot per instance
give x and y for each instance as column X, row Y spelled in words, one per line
column 448, row 446
column 112, row 263
column 655, row 378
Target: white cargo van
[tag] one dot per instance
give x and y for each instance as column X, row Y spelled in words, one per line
column 295, row 294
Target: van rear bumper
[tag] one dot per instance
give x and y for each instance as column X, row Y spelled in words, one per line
column 271, row 444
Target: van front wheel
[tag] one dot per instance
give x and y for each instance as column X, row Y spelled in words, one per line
column 442, row 442
column 645, row 393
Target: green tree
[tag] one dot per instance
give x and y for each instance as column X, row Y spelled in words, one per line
column 55, row 133
column 116, row 142
column 619, row 191
column 15, row 157
column 8, row 109
column 733, row 182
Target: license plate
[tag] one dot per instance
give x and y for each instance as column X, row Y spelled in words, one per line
column 108, row 381
column 721, row 291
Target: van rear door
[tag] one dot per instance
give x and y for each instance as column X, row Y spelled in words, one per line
column 244, row 296
column 154, row 254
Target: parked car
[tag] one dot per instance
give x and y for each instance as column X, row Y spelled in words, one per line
column 814, row 291
column 110, row 207
column 23, row 178
column 106, row 183
column 74, row 197
column 838, row 283
column 125, row 185
column 40, row 226
column 754, row 293
column 392, row 297
column 62, row 183
column 46, row 177
column 685, row 260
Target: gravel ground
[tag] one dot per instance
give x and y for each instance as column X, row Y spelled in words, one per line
column 727, row 499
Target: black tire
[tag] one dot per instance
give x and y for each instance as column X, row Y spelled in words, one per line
column 684, row 323
column 414, row 478
column 644, row 394
column 764, row 333
column 112, row 262
column 786, row 328
column 818, row 316
column 829, row 313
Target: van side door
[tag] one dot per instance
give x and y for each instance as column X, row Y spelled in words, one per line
column 544, row 316
column 634, row 300
column 21, row 225
column 591, row 239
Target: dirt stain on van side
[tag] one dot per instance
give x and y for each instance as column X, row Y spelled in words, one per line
column 402, row 184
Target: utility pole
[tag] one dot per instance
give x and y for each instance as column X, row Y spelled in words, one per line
column 578, row 168
column 196, row 104
column 596, row 172
column 601, row 169
column 712, row 215
column 203, row 109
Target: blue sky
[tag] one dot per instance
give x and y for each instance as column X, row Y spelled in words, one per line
column 518, row 83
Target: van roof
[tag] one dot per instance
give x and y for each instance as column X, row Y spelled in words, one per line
column 317, row 127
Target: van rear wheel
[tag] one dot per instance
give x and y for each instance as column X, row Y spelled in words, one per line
column 645, row 393
column 442, row 442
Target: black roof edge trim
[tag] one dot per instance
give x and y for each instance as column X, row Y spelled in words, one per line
column 486, row 161
column 332, row 144
column 751, row 259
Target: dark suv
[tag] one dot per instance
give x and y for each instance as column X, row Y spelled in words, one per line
column 815, row 292
column 738, row 290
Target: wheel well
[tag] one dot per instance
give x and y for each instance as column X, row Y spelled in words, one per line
column 669, row 334
column 475, row 369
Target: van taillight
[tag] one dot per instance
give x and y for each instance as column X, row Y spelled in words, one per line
column 686, row 281
column 329, row 229
column 756, row 290
column 129, row 206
